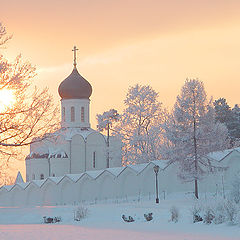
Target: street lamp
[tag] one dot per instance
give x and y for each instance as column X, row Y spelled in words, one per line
column 156, row 170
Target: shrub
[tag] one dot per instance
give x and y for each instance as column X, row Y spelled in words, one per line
column 148, row 216
column 208, row 216
column 195, row 211
column 220, row 213
column 231, row 210
column 174, row 214
column 80, row 213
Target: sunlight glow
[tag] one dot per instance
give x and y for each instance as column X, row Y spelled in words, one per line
column 7, row 98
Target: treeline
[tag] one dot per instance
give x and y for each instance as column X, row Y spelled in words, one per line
column 194, row 127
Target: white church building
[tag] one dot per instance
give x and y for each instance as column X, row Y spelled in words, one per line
column 75, row 147
column 72, row 166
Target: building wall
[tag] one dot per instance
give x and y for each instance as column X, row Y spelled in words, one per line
column 77, row 104
column 112, row 183
column 96, row 143
column 80, row 151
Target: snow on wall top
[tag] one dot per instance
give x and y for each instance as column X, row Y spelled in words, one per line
column 115, row 171
column 74, row 177
column 219, row 155
column 93, row 174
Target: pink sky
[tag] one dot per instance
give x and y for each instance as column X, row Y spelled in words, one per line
column 122, row 43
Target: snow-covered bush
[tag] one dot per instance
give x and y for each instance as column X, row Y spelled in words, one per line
column 174, row 214
column 231, row 209
column 80, row 213
column 195, row 211
column 220, row 213
column 208, row 216
column 148, row 216
column 235, row 189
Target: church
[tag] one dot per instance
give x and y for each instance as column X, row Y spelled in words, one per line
column 74, row 165
column 75, row 147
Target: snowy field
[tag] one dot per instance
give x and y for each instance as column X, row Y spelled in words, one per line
column 104, row 222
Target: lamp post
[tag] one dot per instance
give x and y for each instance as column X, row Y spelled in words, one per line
column 156, row 170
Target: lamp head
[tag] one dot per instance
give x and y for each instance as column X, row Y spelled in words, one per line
column 156, row 169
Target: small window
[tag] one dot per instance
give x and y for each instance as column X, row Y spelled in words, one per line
column 72, row 114
column 94, row 159
column 64, row 114
column 42, row 176
column 82, row 114
column 33, row 176
column 53, row 174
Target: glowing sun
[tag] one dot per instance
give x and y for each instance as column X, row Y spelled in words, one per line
column 7, row 98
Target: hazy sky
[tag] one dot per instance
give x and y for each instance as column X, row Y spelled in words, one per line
column 122, row 43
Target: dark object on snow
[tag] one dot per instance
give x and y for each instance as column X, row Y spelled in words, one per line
column 208, row 217
column 197, row 218
column 51, row 220
column 129, row 219
column 148, row 216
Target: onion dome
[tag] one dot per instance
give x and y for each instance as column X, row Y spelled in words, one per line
column 75, row 87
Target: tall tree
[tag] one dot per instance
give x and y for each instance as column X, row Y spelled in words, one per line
column 105, row 122
column 191, row 133
column 139, row 126
column 32, row 113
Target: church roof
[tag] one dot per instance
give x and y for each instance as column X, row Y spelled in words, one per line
column 75, row 87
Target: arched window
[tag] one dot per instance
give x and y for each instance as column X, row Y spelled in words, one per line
column 94, row 159
column 33, row 176
column 72, row 114
column 42, row 176
column 63, row 114
column 82, row 114
column 53, row 174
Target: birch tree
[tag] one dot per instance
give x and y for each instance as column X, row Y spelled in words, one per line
column 191, row 133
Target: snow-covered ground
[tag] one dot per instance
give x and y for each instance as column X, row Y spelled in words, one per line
column 104, row 222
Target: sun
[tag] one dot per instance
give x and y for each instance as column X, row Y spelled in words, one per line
column 7, row 98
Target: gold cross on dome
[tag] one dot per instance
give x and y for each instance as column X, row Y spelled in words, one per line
column 75, row 55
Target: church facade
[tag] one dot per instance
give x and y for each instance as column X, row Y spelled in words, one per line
column 75, row 147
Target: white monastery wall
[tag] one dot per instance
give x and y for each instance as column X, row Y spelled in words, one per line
column 111, row 183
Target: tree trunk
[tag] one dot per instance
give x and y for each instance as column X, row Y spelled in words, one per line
column 195, row 148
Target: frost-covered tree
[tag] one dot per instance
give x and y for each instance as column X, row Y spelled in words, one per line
column 105, row 121
column 31, row 115
column 235, row 125
column 191, row 132
column 140, row 125
column 230, row 117
column 222, row 110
